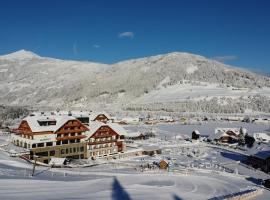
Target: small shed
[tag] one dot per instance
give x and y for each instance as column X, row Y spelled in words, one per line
column 163, row 164
column 196, row 135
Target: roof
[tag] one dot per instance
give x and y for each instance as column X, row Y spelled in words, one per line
column 57, row 161
column 257, row 148
column 95, row 125
column 35, row 126
column 262, row 154
column 93, row 115
column 197, row 132
column 150, row 148
column 133, row 134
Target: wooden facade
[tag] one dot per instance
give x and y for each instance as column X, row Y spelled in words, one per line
column 63, row 142
column 102, row 118
column 105, row 141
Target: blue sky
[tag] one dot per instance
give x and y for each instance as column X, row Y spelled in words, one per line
column 236, row 32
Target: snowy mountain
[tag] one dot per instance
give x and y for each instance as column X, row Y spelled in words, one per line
column 28, row 79
column 20, row 55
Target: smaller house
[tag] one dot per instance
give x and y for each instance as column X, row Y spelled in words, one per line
column 135, row 136
column 262, row 137
column 163, row 164
column 227, row 135
column 100, row 116
column 195, row 135
column 151, row 150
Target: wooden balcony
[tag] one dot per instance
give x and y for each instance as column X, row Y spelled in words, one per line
column 70, row 131
column 70, row 137
column 101, row 142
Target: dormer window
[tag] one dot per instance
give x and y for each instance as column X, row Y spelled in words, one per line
column 47, row 122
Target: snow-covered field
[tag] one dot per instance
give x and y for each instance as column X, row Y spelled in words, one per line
column 206, row 128
column 197, row 172
column 182, row 92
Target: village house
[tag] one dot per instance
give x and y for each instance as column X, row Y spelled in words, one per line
column 51, row 136
column 227, row 135
column 131, row 136
column 105, row 139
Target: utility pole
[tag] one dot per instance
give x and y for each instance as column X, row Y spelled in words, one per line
column 35, row 163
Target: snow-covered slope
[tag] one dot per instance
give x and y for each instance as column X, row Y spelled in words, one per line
column 28, row 79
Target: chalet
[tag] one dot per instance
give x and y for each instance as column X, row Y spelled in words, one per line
column 51, row 136
column 166, row 119
column 135, row 136
column 105, row 139
column 130, row 120
column 227, row 135
column 195, row 135
column 262, row 137
column 100, row 116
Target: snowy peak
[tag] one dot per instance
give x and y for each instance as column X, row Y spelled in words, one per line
column 20, row 55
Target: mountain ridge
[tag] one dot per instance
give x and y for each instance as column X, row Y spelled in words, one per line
column 42, row 81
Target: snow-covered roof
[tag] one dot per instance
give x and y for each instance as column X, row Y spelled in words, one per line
column 93, row 115
column 150, row 148
column 57, row 161
column 36, row 127
column 133, row 134
column 235, row 130
column 197, row 132
column 262, row 154
column 95, row 125
column 257, row 148
column 118, row 128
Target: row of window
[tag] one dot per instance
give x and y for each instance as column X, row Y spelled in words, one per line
column 49, row 144
column 72, row 150
column 72, row 128
column 45, row 153
column 91, row 147
column 103, row 139
column 103, row 152
column 69, row 134
column 27, row 136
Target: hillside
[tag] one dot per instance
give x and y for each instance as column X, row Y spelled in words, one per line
column 31, row 80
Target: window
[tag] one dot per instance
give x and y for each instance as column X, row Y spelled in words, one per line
column 40, row 144
column 66, row 151
column 58, row 135
column 44, row 153
column 72, row 134
column 62, row 151
column 66, row 135
column 52, row 153
column 34, row 145
column 49, row 144
column 82, row 149
column 70, row 150
column 71, row 141
column 65, row 142
column 58, row 142
column 74, row 149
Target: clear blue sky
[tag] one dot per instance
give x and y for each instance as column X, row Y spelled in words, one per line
column 235, row 31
